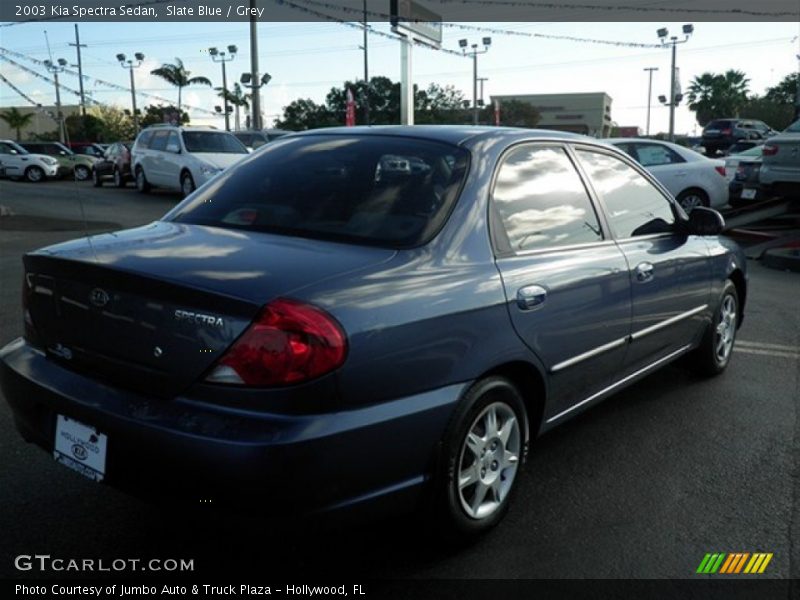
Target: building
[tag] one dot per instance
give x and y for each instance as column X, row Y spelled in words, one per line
column 588, row 113
column 43, row 120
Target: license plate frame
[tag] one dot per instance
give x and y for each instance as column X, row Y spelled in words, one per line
column 749, row 193
column 80, row 447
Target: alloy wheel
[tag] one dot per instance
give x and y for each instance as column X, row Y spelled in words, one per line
column 81, row 173
column 488, row 462
column 725, row 331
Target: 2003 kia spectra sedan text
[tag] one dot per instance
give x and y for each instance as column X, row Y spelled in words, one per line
column 367, row 316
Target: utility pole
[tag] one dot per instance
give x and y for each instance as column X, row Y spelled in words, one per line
column 55, row 69
column 366, row 67
column 487, row 41
column 649, row 94
column 256, row 99
column 481, row 80
column 223, row 58
column 78, row 47
column 673, row 101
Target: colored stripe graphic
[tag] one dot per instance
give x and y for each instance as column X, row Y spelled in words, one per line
column 729, row 563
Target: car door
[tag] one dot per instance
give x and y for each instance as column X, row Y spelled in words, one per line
column 670, row 274
column 566, row 282
column 154, row 163
column 10, row 161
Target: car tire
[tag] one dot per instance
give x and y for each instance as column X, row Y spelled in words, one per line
column 119, row 180
column 714, row 353
column 34, row 174
column 482, row 452
column 82, row 173
column 142, row 185
column 96, row 180
column 187, row 184
column 692, row 198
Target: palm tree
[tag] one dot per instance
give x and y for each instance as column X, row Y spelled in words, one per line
column 236, row 98
column 177, row 75
column 713, row 95
column 17, row 120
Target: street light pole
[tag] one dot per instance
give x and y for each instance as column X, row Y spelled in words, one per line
column 256, row 99
column 131, row 64
column 366, row 67
column 487, row 41
column 649, row 94
column 78, row 47
column 663, row 33
column 55, row 69
column 222, row 57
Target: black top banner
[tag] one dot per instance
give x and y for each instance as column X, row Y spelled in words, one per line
column 153, row 11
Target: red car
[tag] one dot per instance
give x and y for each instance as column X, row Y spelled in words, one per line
column 115, row 165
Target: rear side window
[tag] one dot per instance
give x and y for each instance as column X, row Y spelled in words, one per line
column 652, row 155
column 385, row 191
column 159, row 141
column 212, row 141
column 542, row 201
column 144, row 140
column 634, row 206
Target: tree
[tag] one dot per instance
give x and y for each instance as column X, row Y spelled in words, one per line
column 776, row 115
column 117, row 124
column 155, row 114
column 17, row 120
column 785, row 92
column 513, row 113
column 714, row 95
column 177, row 75
column 442, row 104
column 304, row 114
column 236, row 98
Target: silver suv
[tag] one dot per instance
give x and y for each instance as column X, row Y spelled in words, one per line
column 182, row 158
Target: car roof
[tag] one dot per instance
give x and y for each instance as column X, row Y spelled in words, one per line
column 452, row 134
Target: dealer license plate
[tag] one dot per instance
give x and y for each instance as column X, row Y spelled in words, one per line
column 80, row 447
column 749, row 193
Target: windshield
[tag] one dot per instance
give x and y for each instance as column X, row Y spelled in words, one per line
column 212, row 141
column 378, row 190
column 793, row 128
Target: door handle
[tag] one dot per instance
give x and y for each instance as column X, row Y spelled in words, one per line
column 644, row 272
column 531, row 297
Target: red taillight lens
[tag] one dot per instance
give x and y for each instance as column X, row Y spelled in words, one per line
column 770, row 150
column 720, row 169
column 290, row 342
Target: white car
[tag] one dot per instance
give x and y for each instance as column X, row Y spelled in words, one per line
column 182, row 158
column 16, row 163
column 732, row 161
column 692, row 178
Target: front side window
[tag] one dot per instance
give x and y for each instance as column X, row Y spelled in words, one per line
column 542, row 201
column 653, row 155
column 377, row 190
column 634, row 206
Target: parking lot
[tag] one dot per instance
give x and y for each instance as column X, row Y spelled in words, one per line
column 643, row 486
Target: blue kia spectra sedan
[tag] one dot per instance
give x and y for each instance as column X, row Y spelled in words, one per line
column 367, row 317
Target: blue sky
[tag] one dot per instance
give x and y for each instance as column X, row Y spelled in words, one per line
column 307, row 59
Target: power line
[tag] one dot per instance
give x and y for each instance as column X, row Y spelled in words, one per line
column 19, row 91
column 40, row 76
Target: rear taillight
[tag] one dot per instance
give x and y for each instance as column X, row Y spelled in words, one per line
column 720, row 169
column 289, row 342
column 770, row 150
column 726, row 131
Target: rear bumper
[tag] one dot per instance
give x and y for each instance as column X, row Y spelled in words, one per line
column 188, row 451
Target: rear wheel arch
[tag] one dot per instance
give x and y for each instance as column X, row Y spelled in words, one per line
column 694, row 191
column 530, row 383
column 737, row 277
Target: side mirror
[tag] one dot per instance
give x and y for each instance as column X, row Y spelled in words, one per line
column 173, row 148
column 704, row 221
column 62, row 153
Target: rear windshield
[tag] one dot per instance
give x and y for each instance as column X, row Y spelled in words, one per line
column 212, row 141
column 385, row 191
column 720, row 124
column 793, row 128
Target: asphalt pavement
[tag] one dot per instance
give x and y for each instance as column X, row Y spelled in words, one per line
column 642, row 486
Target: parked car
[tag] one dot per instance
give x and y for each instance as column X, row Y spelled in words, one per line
column 182, row 158
column 115, row 165
column 308, row 335
column 720, row 134
column 256, row 139
column 732, row 161
column 780, row 168
column 692, row 178
column 69, row 163
column 92, row 149
column 17, row 163
column 742, row 146
column 745, row 188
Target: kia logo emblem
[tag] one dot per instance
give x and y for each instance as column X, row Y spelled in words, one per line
column 98, row 297
column 79, row 452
